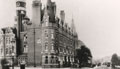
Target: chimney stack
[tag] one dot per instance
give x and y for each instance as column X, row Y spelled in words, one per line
column 62, row 15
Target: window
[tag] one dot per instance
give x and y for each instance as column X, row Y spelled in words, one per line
column 25, row 49
column 1, row 40
column 52, row 36
column 12, row 49
column 1, row 51
column 6, row 40
column 52, row 47
column 9, row 41
column 47, row 23
column 46, row 33
column 25, row 38
column 46, row 60
column 52, row 59
column 46, row 46
column 6, row 50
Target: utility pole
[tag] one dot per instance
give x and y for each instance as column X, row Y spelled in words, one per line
column 4, row 56
column 34, row 47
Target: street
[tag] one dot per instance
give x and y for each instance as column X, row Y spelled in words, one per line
column 101, row 67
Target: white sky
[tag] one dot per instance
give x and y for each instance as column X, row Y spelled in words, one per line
column 97, row 22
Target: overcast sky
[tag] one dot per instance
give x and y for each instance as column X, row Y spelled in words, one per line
column 97, row 22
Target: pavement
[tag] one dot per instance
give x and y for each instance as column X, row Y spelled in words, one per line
column 100, row 67
column 40, row 68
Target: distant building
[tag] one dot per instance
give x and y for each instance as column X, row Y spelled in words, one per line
column 7, row 43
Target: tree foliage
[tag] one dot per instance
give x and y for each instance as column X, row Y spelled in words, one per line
column 84, row 56
column 115, row 60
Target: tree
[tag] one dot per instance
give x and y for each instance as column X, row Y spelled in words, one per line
column 84, row 56
column 114, row 60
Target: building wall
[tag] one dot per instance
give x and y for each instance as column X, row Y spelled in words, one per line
column 1, row 44
column 34, row 46
column 66, row 45
column 7, row 44
column 50, row 42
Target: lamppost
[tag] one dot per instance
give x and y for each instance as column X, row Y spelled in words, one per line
column 13, row 60
column 34, row 48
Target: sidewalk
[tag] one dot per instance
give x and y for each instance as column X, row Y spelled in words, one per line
column 41, row 68
column 28, row 68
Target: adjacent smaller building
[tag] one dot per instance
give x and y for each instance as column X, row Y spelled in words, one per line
column 7, row 43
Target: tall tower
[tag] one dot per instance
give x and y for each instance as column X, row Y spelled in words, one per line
column 36, row 13
column 21, row 13
column 34, row 36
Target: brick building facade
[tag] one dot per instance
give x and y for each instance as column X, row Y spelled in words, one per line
column 45, row 40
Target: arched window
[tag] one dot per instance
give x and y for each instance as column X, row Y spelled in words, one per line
column 56, row 59
column 25, row 37
column 52, row 59
column 25, row 49
column 46, row 60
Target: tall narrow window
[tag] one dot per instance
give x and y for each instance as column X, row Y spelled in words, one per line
column 52, row 47
column 46, row 60
column 9, row 41
column 52, row 59
column 47, row 23
column 25, row 38
column 52, row 34
column 6, row 50
column 24, row 48
column 46, row 33
column 12, row 49
column 6, row 40
column 46, row 46
column 1, row 51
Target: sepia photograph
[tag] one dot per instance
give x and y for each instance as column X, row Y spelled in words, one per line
column 59, row 34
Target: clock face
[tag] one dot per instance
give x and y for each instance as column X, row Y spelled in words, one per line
column 18, row 4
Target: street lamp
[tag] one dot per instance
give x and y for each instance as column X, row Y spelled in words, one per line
column 13, row 54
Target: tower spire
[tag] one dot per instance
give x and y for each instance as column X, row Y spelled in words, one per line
column 73, row 25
